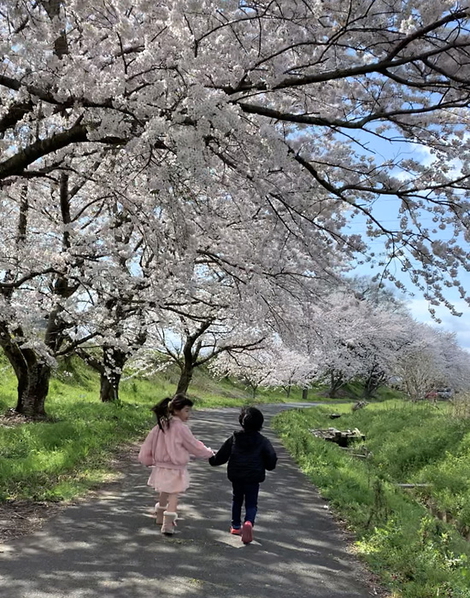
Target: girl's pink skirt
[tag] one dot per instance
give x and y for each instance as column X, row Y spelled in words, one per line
column 168, row 480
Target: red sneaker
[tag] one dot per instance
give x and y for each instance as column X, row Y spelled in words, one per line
column 247, row 532
column 236, row 531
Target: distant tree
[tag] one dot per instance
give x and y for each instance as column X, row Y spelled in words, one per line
column 255, row 368
column 349, row 338
column 271, row 365
column 431, row 360
column 195, row 344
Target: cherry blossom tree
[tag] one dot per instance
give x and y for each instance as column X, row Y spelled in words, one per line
column 41, row 264
column 458, row 364
column 191, row 344
column 255, row 368
column 235, row 299
column 382, row 341
column 350, row 338
column 293, row 369
column 386, row 330
column 111, row 350
column 341, row 347
column 65, row 278
column 282, row 103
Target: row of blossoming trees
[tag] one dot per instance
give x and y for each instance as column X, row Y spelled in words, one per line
column 349, row 339
column 189, row 168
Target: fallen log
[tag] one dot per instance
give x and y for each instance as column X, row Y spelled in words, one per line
column 341, row 437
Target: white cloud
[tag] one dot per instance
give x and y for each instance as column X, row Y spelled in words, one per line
column 459, row 325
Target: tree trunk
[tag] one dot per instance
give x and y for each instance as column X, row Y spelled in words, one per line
column 191, row 349
column 373, row 382
column 114, row 361
column 336, row 382
column 185, row 379
column 371, row 386
column 33, row 390
column 32, row 374
column 110, row 370
column 109, row 388
column 304, row 394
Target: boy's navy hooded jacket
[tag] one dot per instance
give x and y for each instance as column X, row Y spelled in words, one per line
column 249, row 455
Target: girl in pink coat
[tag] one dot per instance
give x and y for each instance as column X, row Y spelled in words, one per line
column 167, row 449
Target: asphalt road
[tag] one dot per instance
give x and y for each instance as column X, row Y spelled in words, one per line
column 110, row 547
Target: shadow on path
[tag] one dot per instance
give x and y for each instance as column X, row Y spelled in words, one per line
column 110, row 546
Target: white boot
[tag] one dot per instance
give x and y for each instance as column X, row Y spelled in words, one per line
column 169, row 522
column 159, row 513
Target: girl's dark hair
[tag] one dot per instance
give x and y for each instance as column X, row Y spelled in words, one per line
column 251, row 419
column 165, row 408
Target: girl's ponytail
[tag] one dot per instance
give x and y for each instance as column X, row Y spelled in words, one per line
column 164, row 409
column 162, row 412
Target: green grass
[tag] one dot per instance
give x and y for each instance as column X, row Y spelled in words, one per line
column 63, row 457
column 416, row 554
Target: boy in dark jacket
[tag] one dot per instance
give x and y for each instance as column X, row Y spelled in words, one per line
column 249, row 454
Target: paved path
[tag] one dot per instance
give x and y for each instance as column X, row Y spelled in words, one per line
column 110, row 546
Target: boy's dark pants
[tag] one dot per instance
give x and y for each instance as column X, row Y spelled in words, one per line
column 249, row 493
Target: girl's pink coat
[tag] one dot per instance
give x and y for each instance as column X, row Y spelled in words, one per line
column 172, row 449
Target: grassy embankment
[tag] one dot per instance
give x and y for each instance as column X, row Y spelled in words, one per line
column 70, row 453
column 401, row 533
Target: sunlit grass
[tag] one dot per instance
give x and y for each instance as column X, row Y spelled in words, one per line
column 416, row 554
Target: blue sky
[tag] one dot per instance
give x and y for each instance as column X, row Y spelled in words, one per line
column 417, row 304
column 418, row 307
column 386, row 210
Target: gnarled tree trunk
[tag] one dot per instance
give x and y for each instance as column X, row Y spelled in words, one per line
column 191, row 349
column 33, row 377
column 109, row 388
column 33, row 388
column 110, row 370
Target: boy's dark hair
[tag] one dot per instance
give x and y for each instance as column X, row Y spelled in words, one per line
column 168, row 406
column 251, row 419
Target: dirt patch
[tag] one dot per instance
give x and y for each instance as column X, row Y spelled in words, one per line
column 12, row 418
column 20, row 517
